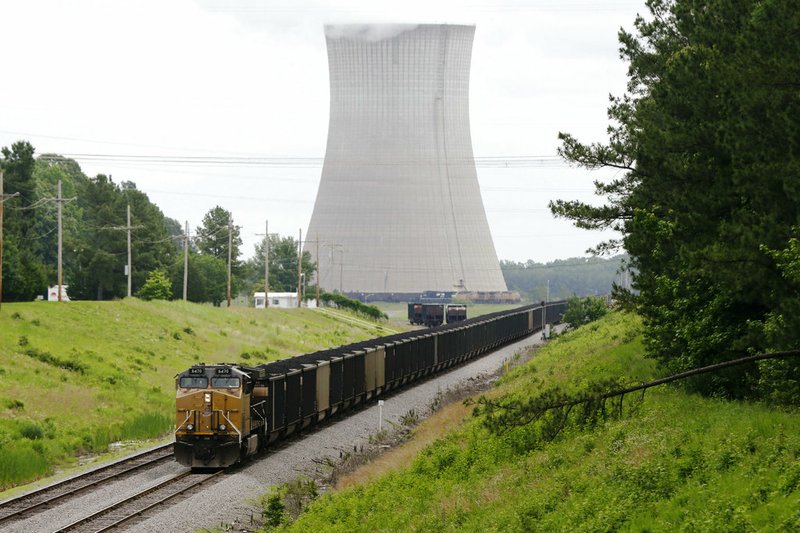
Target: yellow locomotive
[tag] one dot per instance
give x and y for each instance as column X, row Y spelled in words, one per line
column 220, row 414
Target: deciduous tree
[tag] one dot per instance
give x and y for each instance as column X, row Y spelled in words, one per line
column 24, row 273
column 282, row 265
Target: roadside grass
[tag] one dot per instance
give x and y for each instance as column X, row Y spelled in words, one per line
column 444, row 420
column 76, row 377
column 673, row 462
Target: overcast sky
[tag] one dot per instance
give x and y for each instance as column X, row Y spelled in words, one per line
column 95, row 79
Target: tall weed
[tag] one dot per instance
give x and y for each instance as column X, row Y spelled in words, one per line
column 20, row 462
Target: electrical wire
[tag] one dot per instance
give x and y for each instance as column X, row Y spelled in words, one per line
column 510, row 161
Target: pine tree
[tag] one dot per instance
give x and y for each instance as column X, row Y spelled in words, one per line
column 708, row 141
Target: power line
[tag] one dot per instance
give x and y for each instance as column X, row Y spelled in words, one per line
column 504, row 161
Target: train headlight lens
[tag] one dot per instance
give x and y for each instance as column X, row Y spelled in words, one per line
column 223, row 427
column 207, row 397
column 190, row 427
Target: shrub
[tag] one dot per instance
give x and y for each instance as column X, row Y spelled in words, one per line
column 582, row 311
column 779, row 381
column 15, row 404
column 31, row 431
column 344, row 302
column 274, row 511
column 50, row 359
column 288, row 501
column 157, row 287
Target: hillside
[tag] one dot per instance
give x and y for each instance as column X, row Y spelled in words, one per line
column 582, row 276
column 76, row 377
column 672, row 461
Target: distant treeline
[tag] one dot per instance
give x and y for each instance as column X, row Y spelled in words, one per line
column 581, row 276
column 95, row 239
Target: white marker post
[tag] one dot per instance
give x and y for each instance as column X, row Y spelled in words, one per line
column 380, row 415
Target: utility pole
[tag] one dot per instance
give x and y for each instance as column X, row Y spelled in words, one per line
column 186, row 263
column 127, row 228
column 300, row 274
column 331, row 256
column 266, row 263
column 3, row 198
column 60, row 235
column 60, row 200
column 230, row 241
column 544, row 308
column 130, row 266
column 299, row 265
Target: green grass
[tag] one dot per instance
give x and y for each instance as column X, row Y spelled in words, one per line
column 674, row 462
column 76, row 377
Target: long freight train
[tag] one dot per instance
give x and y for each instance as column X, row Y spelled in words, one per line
column 226, row 412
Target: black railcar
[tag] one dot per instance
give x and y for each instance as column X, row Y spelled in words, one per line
column 426, row 314
column 415, row 314
column 455, row 313
column 433, row 314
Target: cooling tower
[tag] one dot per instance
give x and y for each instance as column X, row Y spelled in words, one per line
column 399, row 208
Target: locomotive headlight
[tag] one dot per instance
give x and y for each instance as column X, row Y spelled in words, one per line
column 189, row 427
column 223, row 427
column 207, row 397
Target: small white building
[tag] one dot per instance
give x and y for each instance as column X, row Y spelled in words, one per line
column 281, row 300
column 52, row 293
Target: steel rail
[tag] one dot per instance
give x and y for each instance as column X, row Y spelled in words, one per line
column 76, row 480
column 161, row 501
column 120, row 503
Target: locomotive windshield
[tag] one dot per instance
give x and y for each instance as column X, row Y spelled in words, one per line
column 193, row 382
column 225, row 383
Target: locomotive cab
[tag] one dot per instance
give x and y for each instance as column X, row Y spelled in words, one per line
column 213, row 428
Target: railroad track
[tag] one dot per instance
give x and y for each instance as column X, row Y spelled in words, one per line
column 123, row 511
column 22, row 506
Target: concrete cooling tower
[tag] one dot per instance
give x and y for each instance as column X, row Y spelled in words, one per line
column 399, row 208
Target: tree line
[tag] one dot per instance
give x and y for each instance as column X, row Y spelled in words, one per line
column 577, row 276
column 94, row 221
column 707, row 141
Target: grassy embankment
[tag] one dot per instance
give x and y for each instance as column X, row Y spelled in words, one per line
column 76, row 377
column 675, row 461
